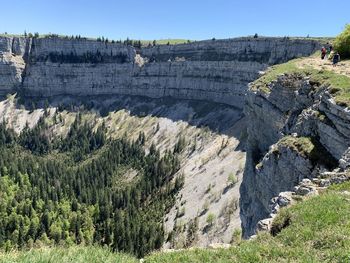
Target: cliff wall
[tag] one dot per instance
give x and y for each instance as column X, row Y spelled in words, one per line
column 206, row 70
column 296, row 131
column 12, row 65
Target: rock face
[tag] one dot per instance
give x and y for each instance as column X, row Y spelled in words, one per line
column 206, row 70
column 295, row 132
column 12, row 52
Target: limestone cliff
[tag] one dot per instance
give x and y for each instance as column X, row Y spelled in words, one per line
column 214, row 70
column 12, row 64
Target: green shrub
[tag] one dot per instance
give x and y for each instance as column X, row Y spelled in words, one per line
column 236, row 236
column 342, row 43
column 210, row 219
column 282, row 220
column 232, row 179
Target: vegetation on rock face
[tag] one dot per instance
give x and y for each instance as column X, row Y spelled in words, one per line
column 272, row 74
column 310, row 148
column 303, row 145
column 339, row 85
column 342, row 43
column 69, row 191
column 88, row 57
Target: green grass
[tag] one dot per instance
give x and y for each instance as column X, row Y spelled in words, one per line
column 309, row 148
column 339, row 84
column 303, row 145
column 319, row 231
column 272, row 74
column 74, row 254
column 341, row 187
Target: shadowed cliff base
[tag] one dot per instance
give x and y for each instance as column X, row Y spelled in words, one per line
column 218, row 117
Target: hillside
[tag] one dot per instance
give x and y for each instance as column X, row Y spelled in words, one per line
column 65, row 141
column 80, row 100
column 167, row 147
column 320, row 220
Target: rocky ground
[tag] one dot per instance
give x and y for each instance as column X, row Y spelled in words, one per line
column 342, row 68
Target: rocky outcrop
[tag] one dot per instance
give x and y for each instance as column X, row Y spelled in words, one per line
column 206, row 70
column 301, row 191
column 296, row 132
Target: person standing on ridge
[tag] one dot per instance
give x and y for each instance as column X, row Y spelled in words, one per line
column 330, row 48
column 323, row 52
column 336, row 59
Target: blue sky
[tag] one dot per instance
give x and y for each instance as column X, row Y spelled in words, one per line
column 189, row 19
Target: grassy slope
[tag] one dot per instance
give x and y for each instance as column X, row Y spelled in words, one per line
column 340, row 84
column 64, row 255
column 319, row 232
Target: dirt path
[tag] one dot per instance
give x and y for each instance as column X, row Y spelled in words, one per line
column 342, row 68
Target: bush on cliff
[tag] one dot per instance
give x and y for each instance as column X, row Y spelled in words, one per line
column 342, row 43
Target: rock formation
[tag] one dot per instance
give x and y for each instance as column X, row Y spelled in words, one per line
column 296, row 131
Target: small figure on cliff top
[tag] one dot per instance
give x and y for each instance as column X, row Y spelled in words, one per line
column 323, row 52
column 336, row 59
